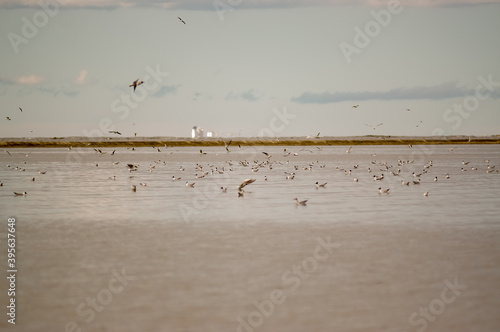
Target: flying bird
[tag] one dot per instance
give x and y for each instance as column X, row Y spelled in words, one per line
column 226, row 145
column 245, row 183
column 20, row 194
column 355, row 106
column 374, row 127
column 20, row 108
column 136, row 83
column 115, row 132
column 180, row 19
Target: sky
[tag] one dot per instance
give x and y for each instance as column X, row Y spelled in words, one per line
column 249, row 67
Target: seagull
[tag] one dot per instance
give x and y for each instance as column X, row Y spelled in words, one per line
column 405, row 183
column 356, row 180
column 245, row 183
column 267, row 155
column 134, row 188
column 374, row 127
column 447, row 176
column 201, row 152
column 322, row 185
column 408, row 109
column 297, row 202
column 175, row 179
column 20, row 108
column 40, row 172
column 114, row 132
column 180, row 19
column 435, row 179
column 136, row 83
column 20, row 194
column 426, row 194
column 144, row 184
column 355, row 106
column 8, row 152
column 226, row 145
column 465, row 162
column 190, row 185
column 8, row 119
column 317, row 135
column 348, row 150
column 383, row 191
column 224, row 190
column 416, row 182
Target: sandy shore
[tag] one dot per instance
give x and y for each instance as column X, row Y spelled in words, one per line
column 284, row 141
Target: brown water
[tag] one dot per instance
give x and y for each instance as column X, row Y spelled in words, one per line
column 171, row 258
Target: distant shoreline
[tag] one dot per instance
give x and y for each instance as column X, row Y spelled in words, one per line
column 55, row 142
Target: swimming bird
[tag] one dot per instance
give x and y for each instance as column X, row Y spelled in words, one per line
column 374, row 127
column 378, row 178
column 297, row 202
column 42, row 172
column 20, row 108
column 136, row 83
column 447, row 176
column 180, row 19
column 134, row 188
column 465, row 162
column 20, row 194
column 426, row 194
column 436, row 179
column 383, row 191
column 132, row 167
column 190, row 185
column 267, row 155
column 114, row 132
column 224, row 190
column 144, row 184
column 356, row 180
column 320, row 185
column 175, row 178
column 8, row 118
column 201, row 152
column 405, row 183
column 416, row 182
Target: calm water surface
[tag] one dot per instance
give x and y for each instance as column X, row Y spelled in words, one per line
column 199, row 259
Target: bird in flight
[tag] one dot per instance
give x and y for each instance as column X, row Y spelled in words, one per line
column 355, row 106
column 245, row 183
column 374, row 127
column 115, row 132
column 180, row 19
column 20, row 108
column 226, row 145
column 136, row 83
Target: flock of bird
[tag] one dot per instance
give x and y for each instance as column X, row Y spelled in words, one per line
column 284, row 164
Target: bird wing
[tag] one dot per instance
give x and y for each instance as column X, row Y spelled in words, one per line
column 245, row 183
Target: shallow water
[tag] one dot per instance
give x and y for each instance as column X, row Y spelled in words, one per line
column 203, row 260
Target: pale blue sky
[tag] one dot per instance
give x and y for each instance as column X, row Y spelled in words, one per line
column 228, row 71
